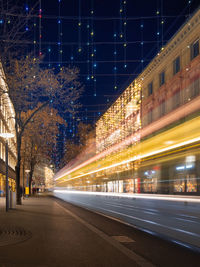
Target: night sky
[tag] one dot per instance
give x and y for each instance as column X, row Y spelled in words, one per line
column 110, row 41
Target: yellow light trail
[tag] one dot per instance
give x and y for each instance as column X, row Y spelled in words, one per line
column 182, row 135
column 139, row 157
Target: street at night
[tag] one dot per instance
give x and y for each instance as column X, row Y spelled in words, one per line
column 56, row 233
column 99, row 133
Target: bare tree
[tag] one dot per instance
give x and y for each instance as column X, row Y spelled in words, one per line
column 14, row 37
column 39, row 138
column 30, row 84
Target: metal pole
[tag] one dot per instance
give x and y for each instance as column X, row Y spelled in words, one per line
column 7, row 188
column 27, row 184
column 23, row 182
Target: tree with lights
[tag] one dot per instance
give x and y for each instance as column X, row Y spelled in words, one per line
column 28, row 85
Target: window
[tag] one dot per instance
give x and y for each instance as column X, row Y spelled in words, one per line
column 177, row 99
column 194, row 49
column 176, row 65
column 162, row 78
column 194, row 89
column 150, row 88
column 162, row 108
column 150, row 116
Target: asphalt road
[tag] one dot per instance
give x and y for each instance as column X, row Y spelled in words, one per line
column 48, row 231
column 177, row 221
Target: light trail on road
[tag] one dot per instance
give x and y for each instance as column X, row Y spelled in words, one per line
column 162, row 215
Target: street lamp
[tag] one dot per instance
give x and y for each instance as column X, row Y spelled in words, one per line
column 27, row 183
column 6, row 136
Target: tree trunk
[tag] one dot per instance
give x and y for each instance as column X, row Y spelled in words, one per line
column 30, row 182
column 18, row 189
column 17, row 168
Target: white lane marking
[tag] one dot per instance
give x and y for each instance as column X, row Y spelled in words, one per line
column 185, row 220
column 148, row 212
column 132, row 255
column 154, row 210
column 189, row 216
column 132, row 208
column 151, row 222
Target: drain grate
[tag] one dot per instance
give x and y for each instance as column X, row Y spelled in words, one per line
column 10, row 234
column 123, row 239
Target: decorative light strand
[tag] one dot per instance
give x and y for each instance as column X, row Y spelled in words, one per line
column 49, row 56
column 162, row 24
column 60, row 50
column 88, row 51
column 79, row 27
column 72, row 55
column 26, row 11
column 93, row 50
column 124, row 31
column 34, row 38
column 115, row 58
column 142, row 44
column 40, row 27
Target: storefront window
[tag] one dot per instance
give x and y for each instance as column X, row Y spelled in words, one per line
column 191, row 183
column 179, row 185
column 150, row 185
column 137, row 185
column 129, row 186
column 2, row 185
column 121, row 186
column 110, row 187
column 186, row 180
column 150, row 181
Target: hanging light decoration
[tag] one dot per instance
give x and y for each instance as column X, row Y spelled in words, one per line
column 40, row 28
column 60, row 34
column 79, row 27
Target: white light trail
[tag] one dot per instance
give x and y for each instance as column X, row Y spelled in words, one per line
column 127, row 195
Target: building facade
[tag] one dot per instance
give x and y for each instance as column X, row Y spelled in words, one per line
column 148, row 141
column 7, row 125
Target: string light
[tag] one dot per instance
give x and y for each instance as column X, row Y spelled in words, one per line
column 79, row 27
column 124, row 32
column 142, row 47
column 60, row 50
column 26, row 9
column 162, row 22
column 40, row 28
column 72, row 57
column 88, row 52
column 115, row 58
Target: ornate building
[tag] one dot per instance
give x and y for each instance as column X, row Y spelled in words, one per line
column 7, row 125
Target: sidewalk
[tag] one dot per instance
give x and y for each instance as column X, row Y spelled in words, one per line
column 41, row 233
column 2, row 203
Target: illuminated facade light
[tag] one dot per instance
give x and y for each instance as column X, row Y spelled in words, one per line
column 129, row 142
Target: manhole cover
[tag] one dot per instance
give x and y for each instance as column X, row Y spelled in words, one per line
column 10, row 234
column 123, row 239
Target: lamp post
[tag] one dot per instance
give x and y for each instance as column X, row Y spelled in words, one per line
column 27, row 183
column 6, row 136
